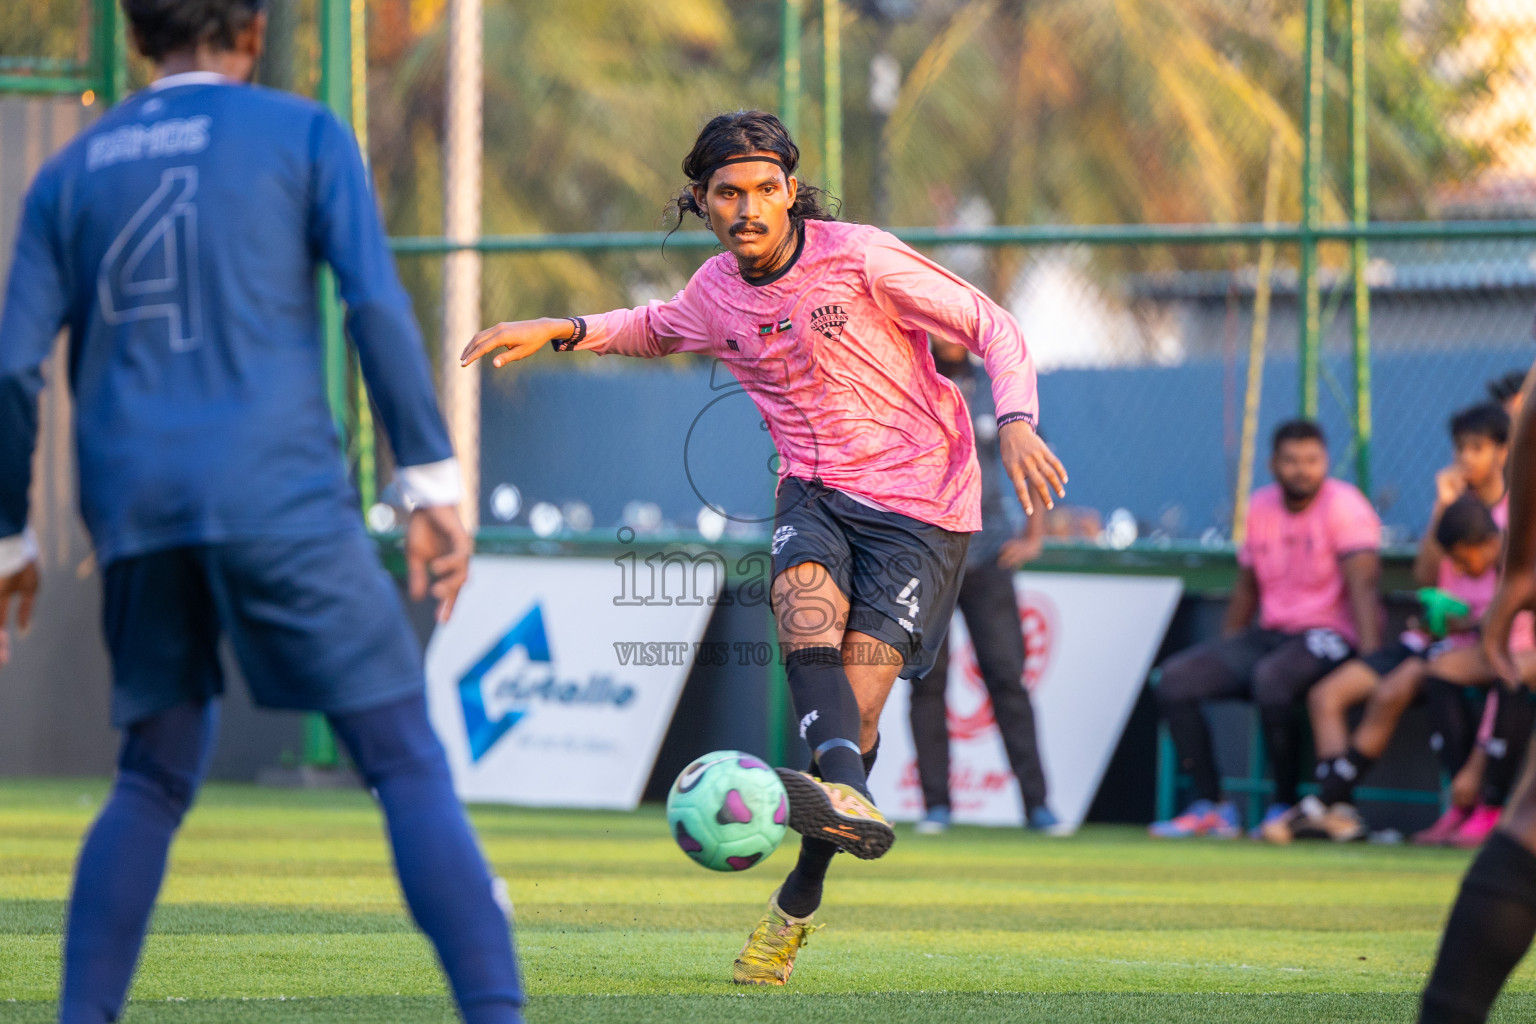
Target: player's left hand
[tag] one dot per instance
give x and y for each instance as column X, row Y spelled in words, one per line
column 1031, row 465
column 1020, row 550
column 436, row 544
column 22, row 585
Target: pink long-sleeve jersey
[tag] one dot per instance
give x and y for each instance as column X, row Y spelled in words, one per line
column 834, row 351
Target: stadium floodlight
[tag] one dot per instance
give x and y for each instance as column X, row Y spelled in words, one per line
column 545, row 519
column 381, row 518
column 578, row 515
column 1120, row 530
column 711, row 524
column 506, row 502
column 642, row 516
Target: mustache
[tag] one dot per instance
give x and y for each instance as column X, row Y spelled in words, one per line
column 749, row 225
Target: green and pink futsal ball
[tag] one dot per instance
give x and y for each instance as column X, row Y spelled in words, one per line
column 728, row 810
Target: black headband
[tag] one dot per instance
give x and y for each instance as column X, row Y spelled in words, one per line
column 770, row 159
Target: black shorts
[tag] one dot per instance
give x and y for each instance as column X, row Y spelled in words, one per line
column 900, row 575
column 1391, row 656
column 315, row 623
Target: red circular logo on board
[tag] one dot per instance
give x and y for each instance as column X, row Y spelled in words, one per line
column 971, row 715
column 1038, row 618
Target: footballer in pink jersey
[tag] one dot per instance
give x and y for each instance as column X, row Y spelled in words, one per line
column 1308, row 570
column 826, row 325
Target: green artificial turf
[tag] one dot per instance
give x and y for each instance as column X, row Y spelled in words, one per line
column 281, row 906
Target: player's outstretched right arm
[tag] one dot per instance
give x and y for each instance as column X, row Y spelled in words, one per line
column 520, row 339
column 654, row 329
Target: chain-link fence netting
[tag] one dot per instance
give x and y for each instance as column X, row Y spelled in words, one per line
column 53, row 39
column 968, row 115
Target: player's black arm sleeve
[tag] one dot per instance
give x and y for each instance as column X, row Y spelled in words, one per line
column 35, row 305
column 347, row 233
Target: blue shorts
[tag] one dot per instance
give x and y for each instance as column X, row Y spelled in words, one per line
column 316, row 624
column 901, row 575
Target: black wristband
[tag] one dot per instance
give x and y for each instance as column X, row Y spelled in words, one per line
column 1015, row 417
column 566, row 344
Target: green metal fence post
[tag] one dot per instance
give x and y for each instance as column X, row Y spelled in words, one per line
column 335, row 93
column 1359, row 173
column 789, row 66
column 111, row 44
column 367, row 463
column 1309, row 299
column 832, row 93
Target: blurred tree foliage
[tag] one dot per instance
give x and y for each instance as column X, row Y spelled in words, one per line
column 1050, row 111
column 1035, row 111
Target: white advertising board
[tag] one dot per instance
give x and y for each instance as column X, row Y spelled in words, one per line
column 554, row 682
column 1089, row 643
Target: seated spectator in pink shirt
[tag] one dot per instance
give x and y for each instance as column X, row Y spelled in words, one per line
column 1457, row 559
column 1309, row 568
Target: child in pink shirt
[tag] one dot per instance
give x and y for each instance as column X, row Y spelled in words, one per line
column 1458, row 554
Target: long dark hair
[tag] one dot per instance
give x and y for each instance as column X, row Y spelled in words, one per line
column 748, row 131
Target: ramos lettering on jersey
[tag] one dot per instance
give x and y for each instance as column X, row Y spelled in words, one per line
column 1089, row 642
column 540, row 690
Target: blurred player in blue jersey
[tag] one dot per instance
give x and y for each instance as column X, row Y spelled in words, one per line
column 178, row 240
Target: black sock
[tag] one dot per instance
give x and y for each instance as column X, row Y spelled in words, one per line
column 1452, row 729
column 829, row 714
column 1490, row 929
column 1339, row 776
column 801, row 893
column 1512, row 721
column 868, row 757
column 1192, row 740
column 1280, row 735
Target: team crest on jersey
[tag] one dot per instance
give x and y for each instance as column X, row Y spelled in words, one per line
column 828, row 321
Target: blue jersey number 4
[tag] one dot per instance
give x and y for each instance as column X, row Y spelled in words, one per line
column 151, row 271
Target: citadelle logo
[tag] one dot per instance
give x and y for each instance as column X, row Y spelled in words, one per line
column 516, row 672
column 828, row 321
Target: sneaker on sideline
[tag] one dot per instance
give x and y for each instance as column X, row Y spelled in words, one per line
column 1043, row 819
column 935, row 822
column 1272, row 814
column 1201, row 818
column 1444, row 827
column 1477, row 826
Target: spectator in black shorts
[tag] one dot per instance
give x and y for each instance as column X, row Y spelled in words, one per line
column 1471, row 542
column 1309, row 567
column 1457, row 558
column 991, row 610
